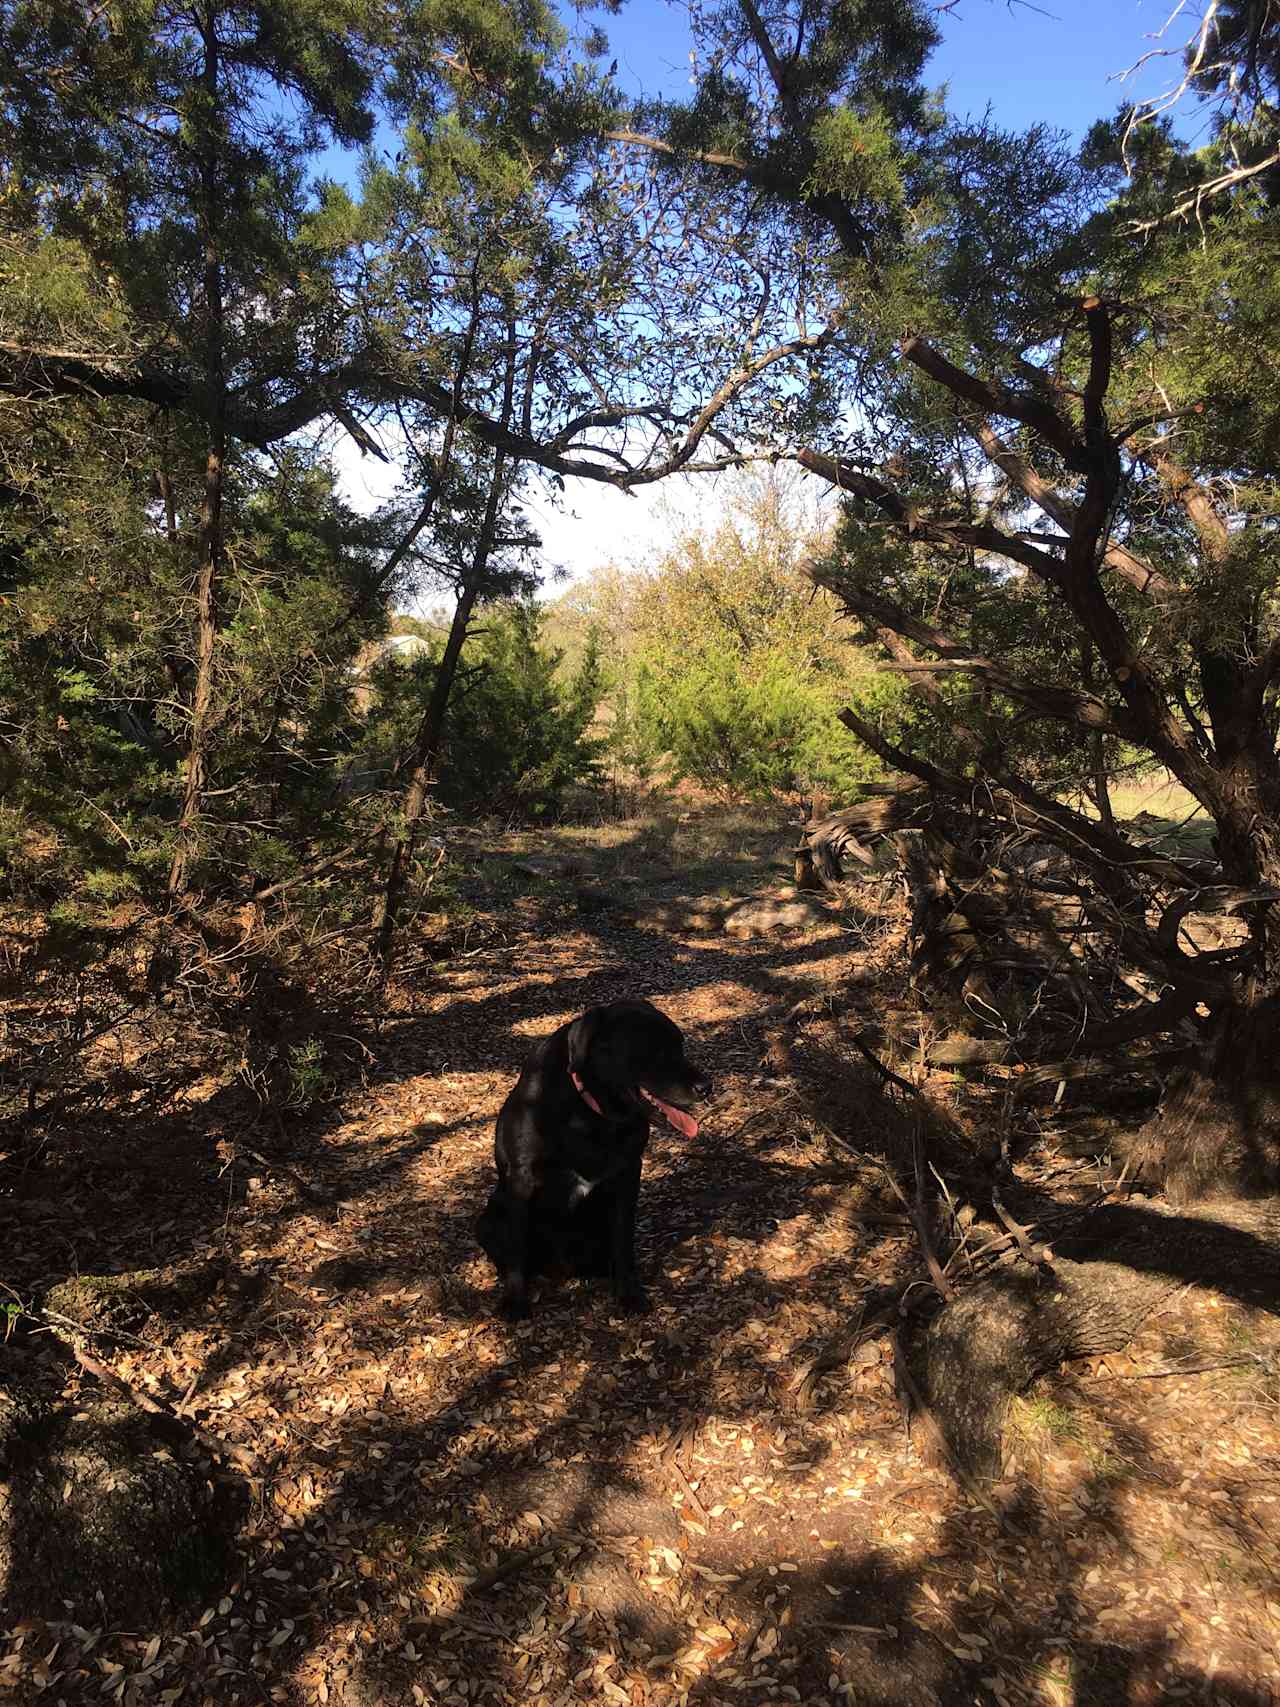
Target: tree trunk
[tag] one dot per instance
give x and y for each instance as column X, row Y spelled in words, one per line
column 202, row 691
column 1217, row 1132
column 1097, row 746
column 953, row 931
column 1105, row 1277
column 426, row 749
column 207, row 585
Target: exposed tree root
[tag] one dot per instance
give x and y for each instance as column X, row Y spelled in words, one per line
column 997, row 1337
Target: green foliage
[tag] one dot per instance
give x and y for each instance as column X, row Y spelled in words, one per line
column 516, row 735
column 999, row 615
column 96, row 688
column 307, row 1080
column 518, row 727
column 855, row 157
column 728, row 666
column 758, row 728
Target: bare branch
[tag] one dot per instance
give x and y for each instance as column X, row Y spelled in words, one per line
column 916, row 523
column 367, row 374
column 1068, row 704
column 897, row 758
column 1191, row 205
column 702, row 157
column 1061, row 510
column 1193, row 499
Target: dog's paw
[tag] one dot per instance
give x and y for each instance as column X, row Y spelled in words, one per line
column 515, row 1310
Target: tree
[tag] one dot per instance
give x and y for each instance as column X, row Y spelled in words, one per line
column 729, row 664
column 181, row 132
column 518, row 729
column 485, row 569
column 1021, row 375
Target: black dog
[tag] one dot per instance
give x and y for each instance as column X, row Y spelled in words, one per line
column 569, row 1142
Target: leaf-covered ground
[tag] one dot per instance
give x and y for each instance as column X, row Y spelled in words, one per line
column 586, row 1508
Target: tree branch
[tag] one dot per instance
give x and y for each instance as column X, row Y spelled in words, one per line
column 919, row 524
column 995, row 399
column 1067, row 704
column 60, row 372
column 1061, row 510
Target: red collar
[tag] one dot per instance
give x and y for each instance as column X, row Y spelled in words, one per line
column 586, row 1095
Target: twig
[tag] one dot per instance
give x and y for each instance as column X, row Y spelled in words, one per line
column 886, row 1073
column 760, row 1114
column 57, row 1322
column 181, row 1427
column 508, row 1567
column 1020, row 1233
column 917, row 1220
column 839, row 1351
column 669, row 1458
column 1186, row 1369
column 310, row 1192
column 689, row 1491
column 941, row 1284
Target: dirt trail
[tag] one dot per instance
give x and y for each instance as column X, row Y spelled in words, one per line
column 595, row 1509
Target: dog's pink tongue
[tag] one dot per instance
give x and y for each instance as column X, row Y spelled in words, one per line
column 679, row 1119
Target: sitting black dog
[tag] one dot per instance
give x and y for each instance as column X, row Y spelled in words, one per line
column 569, row 1142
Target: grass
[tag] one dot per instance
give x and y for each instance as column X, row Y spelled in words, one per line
column 1177, row 815
column 1041, row 1421
column 1038, row 1425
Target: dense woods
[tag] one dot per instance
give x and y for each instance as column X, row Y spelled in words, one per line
column 989, row 426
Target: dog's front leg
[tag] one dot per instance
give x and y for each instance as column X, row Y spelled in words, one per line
column 515, row 1276
column 628, row 1293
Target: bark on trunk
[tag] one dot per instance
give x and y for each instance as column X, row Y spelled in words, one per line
column 207, row 585
column 197, row 776
column 1100, row 787
column 426, row 751
column 951, row 932
column 1217, row 1132
column 1001, row 1335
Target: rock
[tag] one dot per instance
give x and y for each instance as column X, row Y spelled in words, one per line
column 766, row 914
column 124, row 1303
column 93, row 1500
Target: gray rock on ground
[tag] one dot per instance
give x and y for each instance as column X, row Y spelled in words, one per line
column 765, row 914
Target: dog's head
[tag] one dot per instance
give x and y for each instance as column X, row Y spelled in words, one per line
column 629, row 1058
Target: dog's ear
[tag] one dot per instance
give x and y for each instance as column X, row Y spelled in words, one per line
column 582, row 1034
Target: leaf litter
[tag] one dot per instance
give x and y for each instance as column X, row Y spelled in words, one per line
column 593, row 1509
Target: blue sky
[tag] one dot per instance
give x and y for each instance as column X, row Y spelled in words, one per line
column 1058, row 64
column 1055, row 64
column 1033, row 64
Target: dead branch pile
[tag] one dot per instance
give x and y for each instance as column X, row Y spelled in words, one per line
column 1053, row 955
